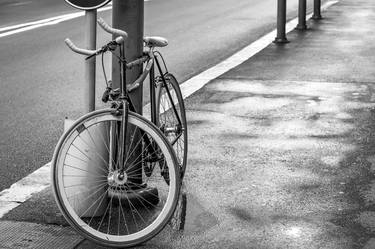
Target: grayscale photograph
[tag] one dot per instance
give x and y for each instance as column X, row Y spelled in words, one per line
column 187, row 124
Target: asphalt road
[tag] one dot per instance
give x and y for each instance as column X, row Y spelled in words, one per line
column 41, row 80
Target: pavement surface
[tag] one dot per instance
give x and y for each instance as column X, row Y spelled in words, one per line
column 281, row 150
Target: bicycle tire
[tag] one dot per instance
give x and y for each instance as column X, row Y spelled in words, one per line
column 73, row 174
column 167, row 117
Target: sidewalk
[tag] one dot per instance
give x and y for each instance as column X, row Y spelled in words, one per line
column 281, row 150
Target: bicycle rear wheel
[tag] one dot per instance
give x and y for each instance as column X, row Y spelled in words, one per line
column 104, row 204
column 172, row 121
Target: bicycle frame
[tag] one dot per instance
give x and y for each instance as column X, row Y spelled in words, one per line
column 151, row 58
column 127, row 103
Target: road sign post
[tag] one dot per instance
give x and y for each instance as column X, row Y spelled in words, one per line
column 281, row 22
column 84, row 207
column 90, row 7
column 301, row 15
column 90, row 70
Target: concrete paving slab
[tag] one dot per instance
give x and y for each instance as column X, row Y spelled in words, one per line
column 287, row 159
column 337, row 48
column 17, row 235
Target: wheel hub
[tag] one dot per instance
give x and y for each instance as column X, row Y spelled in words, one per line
column 117, row 178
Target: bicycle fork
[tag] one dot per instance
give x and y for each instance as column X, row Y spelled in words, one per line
column 122, row 139
column 129, row 169
column 117, row 146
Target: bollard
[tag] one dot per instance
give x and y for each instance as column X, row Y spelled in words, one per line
column 317, row 6
column 301, row 15
column 89, row 93
column 281, row 22
column 128, row 16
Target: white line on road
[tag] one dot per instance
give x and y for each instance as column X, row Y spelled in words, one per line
column 44, row 22
column 22, row 190
column 18, row 28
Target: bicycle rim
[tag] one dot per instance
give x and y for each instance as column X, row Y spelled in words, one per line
column 102, row 206
column 168, row 121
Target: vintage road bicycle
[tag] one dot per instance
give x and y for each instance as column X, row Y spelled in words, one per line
column 116, row 175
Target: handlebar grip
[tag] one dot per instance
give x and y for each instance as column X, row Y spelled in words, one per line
column 110, row 30
column 78, row 50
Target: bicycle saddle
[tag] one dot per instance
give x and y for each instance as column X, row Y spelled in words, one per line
column 155, row 41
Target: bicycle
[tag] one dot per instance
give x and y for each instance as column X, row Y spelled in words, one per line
column 115, row 175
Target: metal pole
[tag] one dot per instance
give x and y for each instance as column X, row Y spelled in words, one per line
column 89, row 93
column 317, row 6
column 281, row 22
column 85, row 206
column 301, row 15
column 128, row 16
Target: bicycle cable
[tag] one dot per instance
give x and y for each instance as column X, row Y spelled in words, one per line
column 162, row 58
column 105, row 75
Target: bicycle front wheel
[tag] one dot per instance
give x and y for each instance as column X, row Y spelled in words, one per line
column 172, row 117
column 111, row 204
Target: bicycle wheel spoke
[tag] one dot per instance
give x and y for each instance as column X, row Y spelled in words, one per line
column 130, row 146
column 87, row 197
column 109, row 216
column 101, row 221
column 90, row 159
column 134, row 147
column 129, row 168
column 139, row 161
column 103, row 140
column 84, row 170
column 93, row 149
column 122, row 211
column 102, row 196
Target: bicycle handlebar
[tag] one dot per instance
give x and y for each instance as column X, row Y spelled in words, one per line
column 80, row 50
column 119, row 40
column 122, row 36
column 110, row 30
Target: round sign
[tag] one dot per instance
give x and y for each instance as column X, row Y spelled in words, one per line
column 87, row 4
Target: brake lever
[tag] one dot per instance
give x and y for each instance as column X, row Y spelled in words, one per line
column 105, row 96
column 95, row 54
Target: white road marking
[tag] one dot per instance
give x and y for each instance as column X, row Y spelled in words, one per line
column 22, row 190
column 44, row 22
column 20, row 3
column 18, row 28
